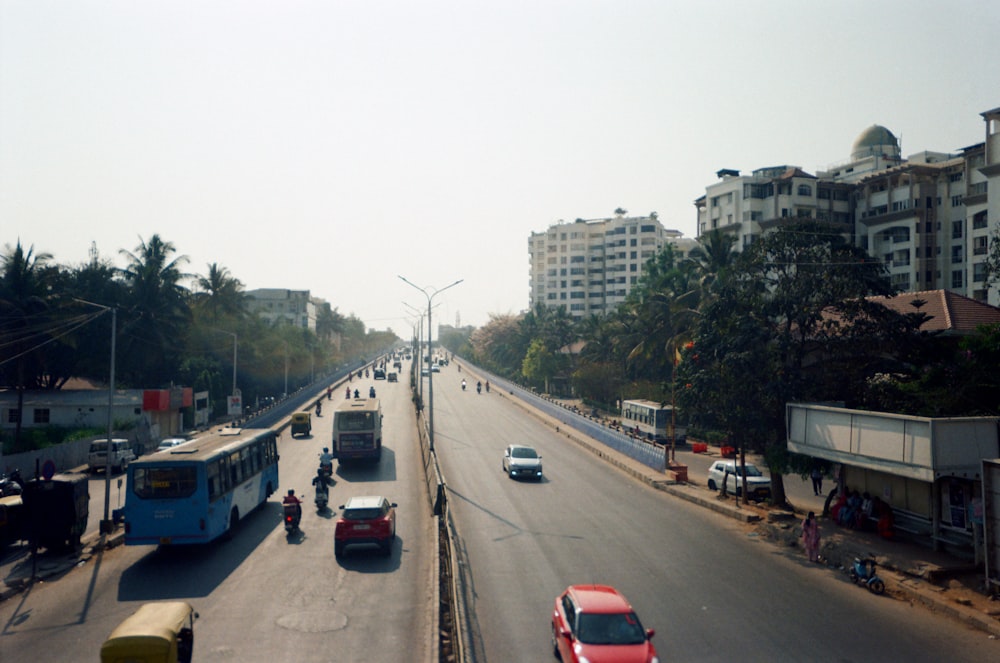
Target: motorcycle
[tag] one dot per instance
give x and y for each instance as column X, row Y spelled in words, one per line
column 863, row 573
column 293, row 515
column 463, row 385
column 322, row 497
column 371, row 392
column 12, row 484
column 479, row 388
column 319, row 408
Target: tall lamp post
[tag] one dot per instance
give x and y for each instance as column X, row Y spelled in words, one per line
column 235, row 345
column 418, row 332
column 107, row 524
column 430, row 374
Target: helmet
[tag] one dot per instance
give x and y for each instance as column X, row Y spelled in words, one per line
column 326, row 450
column 291, row 491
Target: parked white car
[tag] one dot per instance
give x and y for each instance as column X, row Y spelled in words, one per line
column 758, row 485
column 121, row 455
column 170, row 442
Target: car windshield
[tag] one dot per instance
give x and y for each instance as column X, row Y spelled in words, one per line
column 610, row 629
column 523, row 452
column 751, row 470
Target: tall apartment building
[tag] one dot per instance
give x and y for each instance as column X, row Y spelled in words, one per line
column 589, row 266
column 928, row 217
column 294, row 307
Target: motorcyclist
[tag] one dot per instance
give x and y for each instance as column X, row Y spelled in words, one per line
column 348, row 394
column 357, row 394
column 290, row 498
column 322, row 482
column 325, row 458
column 319, row 408
column 487, row 386
column 371, row 392
column 479, row 387
column 329, row 393
column 463, row 385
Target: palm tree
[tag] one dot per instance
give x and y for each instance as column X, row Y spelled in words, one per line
column 221, row 293
column 25, row 295
column 158, row 315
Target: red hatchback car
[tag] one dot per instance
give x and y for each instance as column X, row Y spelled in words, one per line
column 370, row 519
column 595, row 623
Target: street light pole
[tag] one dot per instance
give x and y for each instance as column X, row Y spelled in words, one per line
column 430, row 374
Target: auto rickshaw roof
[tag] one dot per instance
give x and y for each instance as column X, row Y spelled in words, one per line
column 152, row 621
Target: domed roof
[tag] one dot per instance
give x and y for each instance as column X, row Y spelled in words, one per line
column 875, row 136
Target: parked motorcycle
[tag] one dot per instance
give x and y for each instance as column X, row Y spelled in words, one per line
column 12, row 484
column 864, row 573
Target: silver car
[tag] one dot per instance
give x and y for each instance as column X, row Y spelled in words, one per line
column 522, row 461
column 758, row 485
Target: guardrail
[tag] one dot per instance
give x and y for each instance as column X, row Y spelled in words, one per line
column 650, row 455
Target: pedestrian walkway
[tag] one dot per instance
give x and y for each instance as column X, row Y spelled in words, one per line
column 937, row 580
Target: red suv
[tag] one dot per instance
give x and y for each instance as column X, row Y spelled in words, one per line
column 595, row 623
column 370, row 520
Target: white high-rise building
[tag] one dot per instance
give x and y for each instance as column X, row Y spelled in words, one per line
column 927, row 217
column 294, row 307
column 589, row 266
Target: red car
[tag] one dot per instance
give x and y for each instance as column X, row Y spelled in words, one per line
column 595, row 623
column 368, row 520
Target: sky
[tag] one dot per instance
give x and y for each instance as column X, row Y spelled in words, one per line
column 335, row 145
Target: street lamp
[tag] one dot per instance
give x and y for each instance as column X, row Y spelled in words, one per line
column 235, row 344
column 107, row 524
column 418, row 333
column 430, row 373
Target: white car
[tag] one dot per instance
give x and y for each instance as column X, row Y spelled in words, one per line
column 758, row 485
column 522, row 461
column 170, row 442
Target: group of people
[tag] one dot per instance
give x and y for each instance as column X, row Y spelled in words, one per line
column 856, row 511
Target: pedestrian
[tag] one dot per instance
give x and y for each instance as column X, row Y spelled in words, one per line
column 817, row 477
column 810, row 536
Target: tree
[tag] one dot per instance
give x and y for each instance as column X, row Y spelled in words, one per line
column 785, row 318
column 540, row 364
column 25, row 327
column 221, row 294
column 157, row 315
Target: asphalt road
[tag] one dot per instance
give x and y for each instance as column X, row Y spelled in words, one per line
column 711, row 591
column 263, row 597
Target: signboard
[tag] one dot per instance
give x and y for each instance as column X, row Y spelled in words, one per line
column 235, row 405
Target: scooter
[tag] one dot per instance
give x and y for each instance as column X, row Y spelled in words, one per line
column 319, row 408
column 322, row 498
column 863, row 573
column 12, row 484
column 463, row 385
column 293, row 514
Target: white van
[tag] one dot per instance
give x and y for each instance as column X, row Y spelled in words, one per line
column 121, row 455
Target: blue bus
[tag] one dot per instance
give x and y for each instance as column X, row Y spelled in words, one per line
column 198, row 491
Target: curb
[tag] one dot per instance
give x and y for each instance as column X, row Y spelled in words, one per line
column 91, row 545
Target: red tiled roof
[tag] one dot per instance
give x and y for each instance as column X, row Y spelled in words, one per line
column 949, row 312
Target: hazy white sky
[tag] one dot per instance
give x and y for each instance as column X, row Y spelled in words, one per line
column 332, row 145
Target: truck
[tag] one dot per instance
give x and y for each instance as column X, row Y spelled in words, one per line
column 56, row 510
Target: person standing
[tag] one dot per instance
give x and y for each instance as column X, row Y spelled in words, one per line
column 810, row 536
column 817, row 477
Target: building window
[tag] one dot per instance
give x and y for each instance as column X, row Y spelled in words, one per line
column 979, row 246
column 12, row 417
column 956, row 255
column 979, row 221
column 979, row 272
column 956, row 201
column 956, row 278
column 956, row 229
column 41, row 415
column 805, row 190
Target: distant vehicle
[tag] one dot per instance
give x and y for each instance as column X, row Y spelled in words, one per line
column 393, row 377
column 596, row 623
column 424, row 372
column 758, row 485
column 435, row 368
column 652, row 419
column 199, row 491
column 379, row 374
column 398, row 365
column 301, row 423
column 357, row 430
column 121, row 455
column 366, row 520
column 522, row 461
column 168, row 443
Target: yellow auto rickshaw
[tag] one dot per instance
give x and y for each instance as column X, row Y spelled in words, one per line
column 160, row 632
column 301, row 423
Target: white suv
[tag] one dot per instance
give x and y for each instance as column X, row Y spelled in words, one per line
column 121, row 455
column 758, row 485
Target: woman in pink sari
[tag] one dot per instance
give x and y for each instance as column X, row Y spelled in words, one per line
column 810, row 536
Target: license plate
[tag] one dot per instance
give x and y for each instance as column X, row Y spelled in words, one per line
column 362, row 527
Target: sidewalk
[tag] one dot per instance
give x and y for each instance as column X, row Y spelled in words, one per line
column 936, row 580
